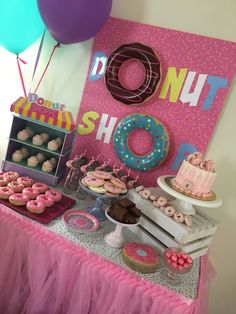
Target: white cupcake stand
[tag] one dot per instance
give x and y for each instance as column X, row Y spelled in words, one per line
column 184, row 203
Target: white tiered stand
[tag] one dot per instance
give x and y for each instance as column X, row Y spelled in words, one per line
column 184, row 203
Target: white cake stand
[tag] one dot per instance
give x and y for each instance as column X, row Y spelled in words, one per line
column 116, row 238
column 182, row 202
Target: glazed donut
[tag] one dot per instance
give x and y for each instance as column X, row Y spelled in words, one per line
column 151, row 63
column 117, row 182
column 6, row 192
column 161, row 201
column 169, row 211
column 30, row 192
column 188, row 220
column 140, row 257
column 145, row 194
column 45, row 199
column 3, row 180
column 16, row 186
column 102, row 174
column 111, row 188
column 179, row 217
column 18, row 199
column 11, row 175
column 92, row 181
column 54, row 194
column 41, row 187
column 160, row 141
column 139, row 188
column 26, row 181
column 35, row 206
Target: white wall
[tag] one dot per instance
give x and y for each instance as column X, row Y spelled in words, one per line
column 64, row 82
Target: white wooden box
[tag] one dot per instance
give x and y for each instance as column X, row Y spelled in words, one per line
column 159, row 230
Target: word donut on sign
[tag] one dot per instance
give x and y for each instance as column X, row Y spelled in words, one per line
column 151, row 63
column 159, row 135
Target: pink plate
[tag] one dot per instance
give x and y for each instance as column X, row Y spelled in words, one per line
column 80, row 221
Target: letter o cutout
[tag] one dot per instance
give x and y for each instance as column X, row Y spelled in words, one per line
column 155, row 128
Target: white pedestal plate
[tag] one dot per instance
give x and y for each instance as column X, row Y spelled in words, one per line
column 184, row 203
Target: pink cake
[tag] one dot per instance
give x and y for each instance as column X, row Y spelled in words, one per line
column 196, row 177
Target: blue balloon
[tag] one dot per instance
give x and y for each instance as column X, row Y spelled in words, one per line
column 20, row 24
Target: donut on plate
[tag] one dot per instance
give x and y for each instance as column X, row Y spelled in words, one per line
column 46, row 199
column 6, row 192
column 35, row 206
column 54, row 194
column 18, row 199
column 41, row 187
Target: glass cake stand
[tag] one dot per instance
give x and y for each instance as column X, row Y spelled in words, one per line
column 98, row 209
column 182, row 202
column 116, row 238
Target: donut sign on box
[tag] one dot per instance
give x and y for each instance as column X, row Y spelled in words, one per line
column 152, row 74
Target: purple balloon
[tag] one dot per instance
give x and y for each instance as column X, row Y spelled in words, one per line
column 73, row 21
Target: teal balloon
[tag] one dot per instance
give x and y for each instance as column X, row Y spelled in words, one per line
column 20, row 24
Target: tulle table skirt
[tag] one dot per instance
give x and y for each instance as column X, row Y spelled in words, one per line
column 43, row 273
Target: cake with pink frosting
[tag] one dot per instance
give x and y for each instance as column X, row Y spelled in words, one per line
column 196, row 177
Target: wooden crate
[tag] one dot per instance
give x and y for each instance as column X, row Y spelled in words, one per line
column 162, row 231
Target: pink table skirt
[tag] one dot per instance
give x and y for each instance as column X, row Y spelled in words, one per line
column 42, row 273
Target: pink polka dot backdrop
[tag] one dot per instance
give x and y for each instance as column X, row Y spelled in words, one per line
column 185, row 122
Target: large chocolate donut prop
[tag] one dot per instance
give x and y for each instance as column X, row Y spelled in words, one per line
column 148, row 58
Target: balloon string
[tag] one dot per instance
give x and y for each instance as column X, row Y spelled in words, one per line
column 54, row 49
column 20, row 73
column 38, row 54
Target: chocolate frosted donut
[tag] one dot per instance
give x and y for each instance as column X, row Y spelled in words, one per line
column 139, row 52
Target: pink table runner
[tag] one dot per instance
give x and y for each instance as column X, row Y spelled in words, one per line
column 41, row 272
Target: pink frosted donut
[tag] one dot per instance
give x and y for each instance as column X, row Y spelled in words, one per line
column 35, row 206
column 16, row 186
column 11, row 175
column 6, row 192
column 54, row 194
column 91, row 180
column 140, row 257
column 45, row 199
column 169, row 211
column 111, row 188
column 30, row 192
column 145, row 194
column 26, row 181
column 139, row 188
column 102, row 174
column 18, row 199
column 41, row 187
column 3, row 180
column 117, row 182
column 179, row 217
column 161, row 201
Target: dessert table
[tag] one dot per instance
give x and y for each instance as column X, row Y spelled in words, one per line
column 47, row 269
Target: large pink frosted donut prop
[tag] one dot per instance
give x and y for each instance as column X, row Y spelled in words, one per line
column 6, row 192
column 45, row 199
column 18, row 199
column 54, row 194
column 41, row 187
column 26, row 181
column 92, row 181
column 30, row 192
column 11, row 175
column 35, row 206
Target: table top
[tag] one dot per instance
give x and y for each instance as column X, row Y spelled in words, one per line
column 94, row 242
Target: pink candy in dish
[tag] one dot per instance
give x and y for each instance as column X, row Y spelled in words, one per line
column 178, row 262
column 80, row 221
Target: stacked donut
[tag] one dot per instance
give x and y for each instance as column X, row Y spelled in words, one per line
column 23, row 191
column 103, row 182
column 164, row 205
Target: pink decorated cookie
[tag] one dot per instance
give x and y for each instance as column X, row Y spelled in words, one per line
column 92, row 181
column 102, row 174
column 111, row 188
column 140, row 257
column 117, row 182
